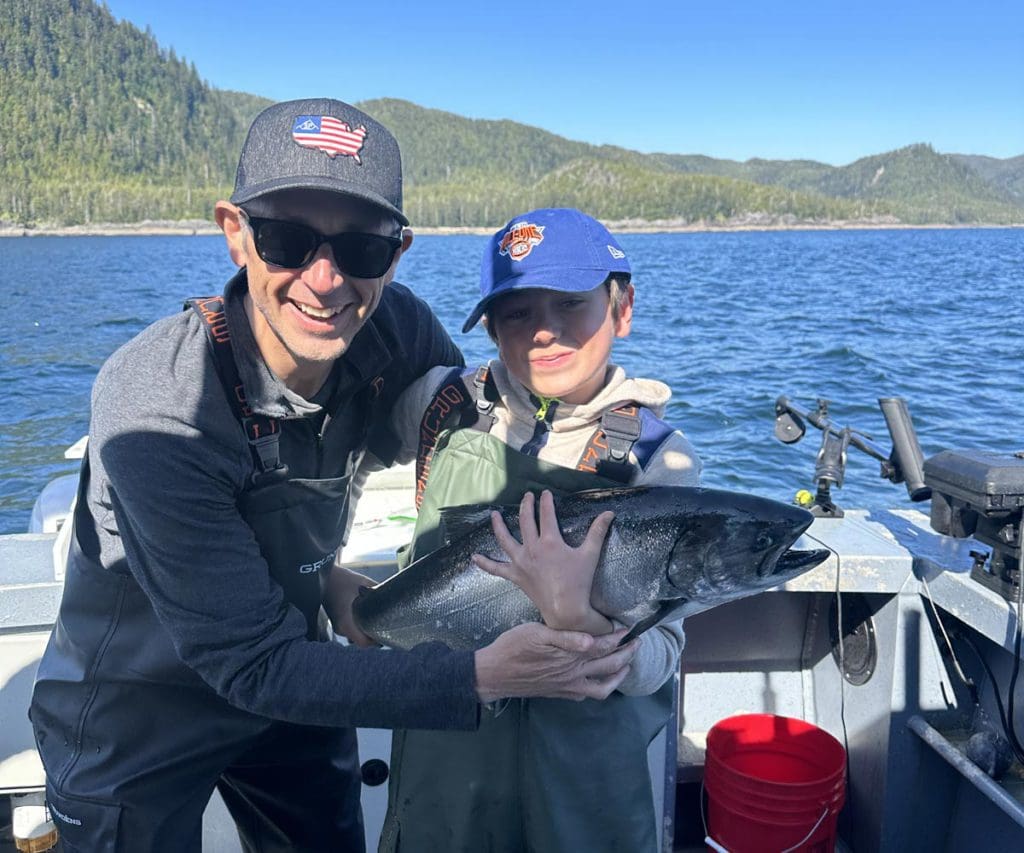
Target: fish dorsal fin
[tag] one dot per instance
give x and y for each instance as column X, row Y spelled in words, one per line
column 459, row 521
column 665, row 609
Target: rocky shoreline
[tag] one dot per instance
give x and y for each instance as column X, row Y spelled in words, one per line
column 146, row 228
column 199, row 227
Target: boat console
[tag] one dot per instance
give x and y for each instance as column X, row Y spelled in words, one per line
column 981, row 495
column 905, row 645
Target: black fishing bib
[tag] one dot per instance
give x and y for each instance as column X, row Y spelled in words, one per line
column 544, row 775
column 298, row 523
column 151, row 739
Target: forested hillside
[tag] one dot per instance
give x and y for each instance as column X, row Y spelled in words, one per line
column 915, row 183
column 1006, row 175
column 466, row 171
column 99, row 123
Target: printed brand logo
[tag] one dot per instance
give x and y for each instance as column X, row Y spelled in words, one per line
column 313, row 568
column 618, row 254
column 74, row 821
column 520, row 239
column 330, row 135
column 434, row 419
column 242, row 402
column 212, row 310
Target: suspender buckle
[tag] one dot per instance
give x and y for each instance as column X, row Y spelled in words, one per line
column 486, row 393
column 622, row 429
column 262, row 432
column 264, row 439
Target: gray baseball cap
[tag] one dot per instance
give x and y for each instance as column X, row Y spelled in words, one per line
column 320, row 144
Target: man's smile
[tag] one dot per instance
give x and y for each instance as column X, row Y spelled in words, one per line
column 318, row 313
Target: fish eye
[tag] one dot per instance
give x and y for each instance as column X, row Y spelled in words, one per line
column 764, row 542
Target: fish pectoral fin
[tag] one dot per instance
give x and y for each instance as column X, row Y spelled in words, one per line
column 665, row 609
column 459, row 521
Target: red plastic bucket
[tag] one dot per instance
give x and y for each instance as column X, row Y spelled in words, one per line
column 774, row 784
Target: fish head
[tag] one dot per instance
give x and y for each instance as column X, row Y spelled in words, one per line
column 735, row 544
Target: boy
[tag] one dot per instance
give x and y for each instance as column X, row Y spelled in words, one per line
column 551, row 413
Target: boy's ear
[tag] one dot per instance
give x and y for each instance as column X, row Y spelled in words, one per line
column 625, row 319
column 490, row 327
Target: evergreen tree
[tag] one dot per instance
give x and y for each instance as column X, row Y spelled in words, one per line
column 99, row 123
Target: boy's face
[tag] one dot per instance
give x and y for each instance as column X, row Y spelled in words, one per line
column 558, row 344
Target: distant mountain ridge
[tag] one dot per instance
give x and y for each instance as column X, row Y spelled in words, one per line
column 123, row 130
column 1007, row 175
column 914, row 184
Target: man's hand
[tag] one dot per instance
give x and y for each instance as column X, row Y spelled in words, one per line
column 534, row 660
column 343, row 586
column 557, row 577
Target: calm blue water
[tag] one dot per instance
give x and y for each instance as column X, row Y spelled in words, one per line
column 730, row 321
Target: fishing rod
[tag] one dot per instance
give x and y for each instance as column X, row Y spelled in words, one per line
column 902, row 464
column 975, row 494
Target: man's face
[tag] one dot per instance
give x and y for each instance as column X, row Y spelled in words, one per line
column 304, row 318
column 558, row 344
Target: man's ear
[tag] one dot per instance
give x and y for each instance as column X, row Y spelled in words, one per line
column 229, row 221
column 406, row 237
column 625, row 320
column 406, row 245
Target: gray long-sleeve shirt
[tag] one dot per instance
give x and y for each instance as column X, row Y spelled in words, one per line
column 168, row 462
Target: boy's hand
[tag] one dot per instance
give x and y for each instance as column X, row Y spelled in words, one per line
column 343, row 586
column 557, row 577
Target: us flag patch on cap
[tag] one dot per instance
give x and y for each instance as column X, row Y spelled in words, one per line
column 330, row 135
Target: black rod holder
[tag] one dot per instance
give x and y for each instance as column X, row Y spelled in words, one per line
column 906, row 459
column 903, row 464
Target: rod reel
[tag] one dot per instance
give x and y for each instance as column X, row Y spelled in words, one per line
column 902, row 464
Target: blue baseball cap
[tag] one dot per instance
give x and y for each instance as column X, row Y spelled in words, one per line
column 554, row 248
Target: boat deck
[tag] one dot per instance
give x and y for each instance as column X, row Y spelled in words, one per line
column 898, row 706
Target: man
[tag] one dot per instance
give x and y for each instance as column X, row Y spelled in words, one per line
column 213, row 500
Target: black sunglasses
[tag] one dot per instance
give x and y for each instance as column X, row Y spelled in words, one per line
column 293, row 245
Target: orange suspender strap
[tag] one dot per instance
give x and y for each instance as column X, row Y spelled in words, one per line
column 261, row 431
column 453, row 398
column 607, row 452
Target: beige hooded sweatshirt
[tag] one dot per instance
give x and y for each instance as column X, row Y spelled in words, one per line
column 674, row 463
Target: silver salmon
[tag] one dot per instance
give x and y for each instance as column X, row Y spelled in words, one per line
column 671, row 552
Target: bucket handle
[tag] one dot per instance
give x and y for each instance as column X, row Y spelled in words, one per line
column 714, row 845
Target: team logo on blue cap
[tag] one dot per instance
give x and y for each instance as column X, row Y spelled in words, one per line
column 330, row 135
column 520, row 239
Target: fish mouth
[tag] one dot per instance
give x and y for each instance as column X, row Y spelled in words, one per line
column 795, row 560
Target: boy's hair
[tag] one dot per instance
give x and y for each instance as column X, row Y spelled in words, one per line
column 617, row 285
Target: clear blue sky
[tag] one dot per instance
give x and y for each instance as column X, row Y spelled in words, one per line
column 781, row 79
